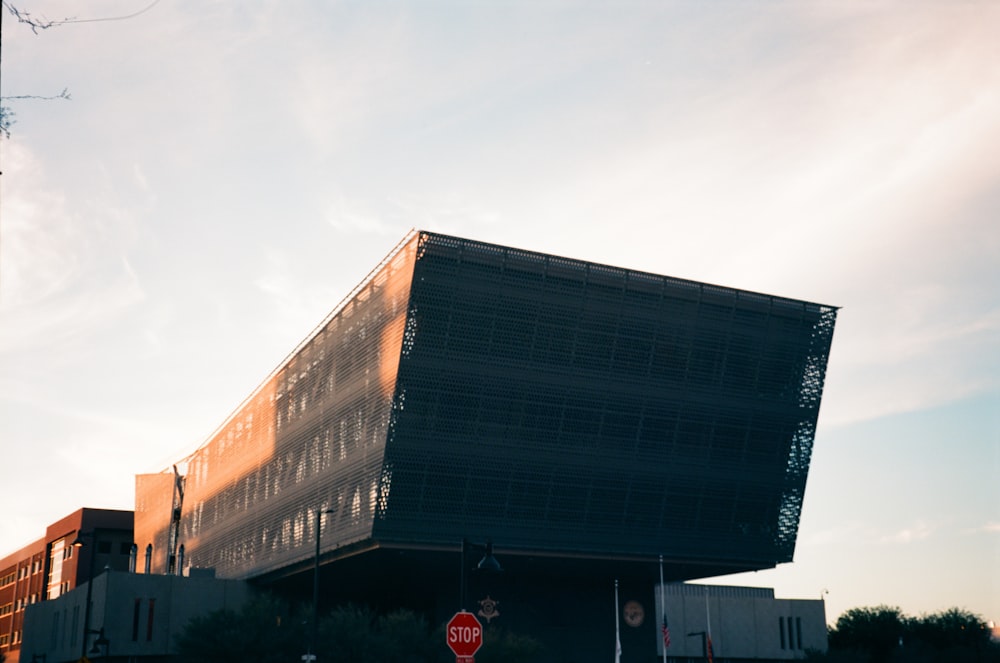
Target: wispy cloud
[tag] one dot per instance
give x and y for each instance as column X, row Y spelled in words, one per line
column 992, row 527
column 56, row 279
column 450, row 212
column 859, row 534
column 353, row 216
column 846, row 533
column 916, row 532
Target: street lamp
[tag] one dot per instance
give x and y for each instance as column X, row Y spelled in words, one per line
column 310, row 656
column 704, row 642
column 100, row 643
column 488, row 563
column 79, row 542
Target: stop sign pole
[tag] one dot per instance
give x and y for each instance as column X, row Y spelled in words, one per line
column 464, row 635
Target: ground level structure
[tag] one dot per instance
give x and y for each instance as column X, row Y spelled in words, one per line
column 584, row 419
column 739, row 623
column 131, row 617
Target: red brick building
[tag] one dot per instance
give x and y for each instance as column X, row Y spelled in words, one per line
column 53, row 565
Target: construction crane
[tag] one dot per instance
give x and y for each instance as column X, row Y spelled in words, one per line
column 174, row 534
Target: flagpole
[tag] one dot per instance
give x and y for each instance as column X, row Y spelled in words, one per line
column 618, row 641
column 708, row 629
column 708, row 615
column 665, row 635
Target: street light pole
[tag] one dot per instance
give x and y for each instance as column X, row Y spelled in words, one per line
column 704, row 642
column 313, row 628
column 488, row 563
column 79, row 543
column 461, row 585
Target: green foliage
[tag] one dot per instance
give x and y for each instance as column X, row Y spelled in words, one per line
column 268, row 630
column 405, row 637
column 347, row 634
column 500, row 646
column 870, row 632
column 885, row 634
column 952, row 628
column 263, row 631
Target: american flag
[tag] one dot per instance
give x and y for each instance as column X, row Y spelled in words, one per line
column 666, row 632
column 708, row 646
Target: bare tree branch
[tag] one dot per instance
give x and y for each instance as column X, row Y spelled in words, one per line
column 62, row 95
column 44, row 24
column 26, row 18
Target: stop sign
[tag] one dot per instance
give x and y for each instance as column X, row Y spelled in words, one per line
column 464, row 634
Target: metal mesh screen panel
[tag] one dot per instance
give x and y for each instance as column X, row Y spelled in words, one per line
column 153, row 505
column 559, row 405
column 311, row 437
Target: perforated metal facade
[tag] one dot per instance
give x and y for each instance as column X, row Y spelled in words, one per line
column 559, row 406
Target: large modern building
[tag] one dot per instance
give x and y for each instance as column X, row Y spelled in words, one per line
column 583, row 418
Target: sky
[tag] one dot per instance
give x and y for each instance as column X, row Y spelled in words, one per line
column 224, row 173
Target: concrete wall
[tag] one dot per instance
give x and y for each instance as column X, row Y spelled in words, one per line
column 140, row 614
column 744, row 622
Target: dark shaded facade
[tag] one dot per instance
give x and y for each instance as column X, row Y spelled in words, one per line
column 567, row 407
column 586, row 418
column 138, row 617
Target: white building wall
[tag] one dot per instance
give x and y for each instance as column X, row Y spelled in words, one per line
column 743, row 622
column 140, row 614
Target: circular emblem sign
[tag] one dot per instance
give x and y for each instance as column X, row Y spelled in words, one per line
column 634, row 613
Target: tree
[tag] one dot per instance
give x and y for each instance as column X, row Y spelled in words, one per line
column 952, row 635
column 346, row 634
column 269, row 630
column 871, row 633
column 265, row 630
column 36, row 24
column 885, row 634
column 406, row 637
column 501, row 646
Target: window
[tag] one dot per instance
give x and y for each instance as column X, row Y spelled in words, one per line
column 76, row 626
column 55, row 629
column 135, row 620
column 57, row 553
column 149, row 621
column 781, row 628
